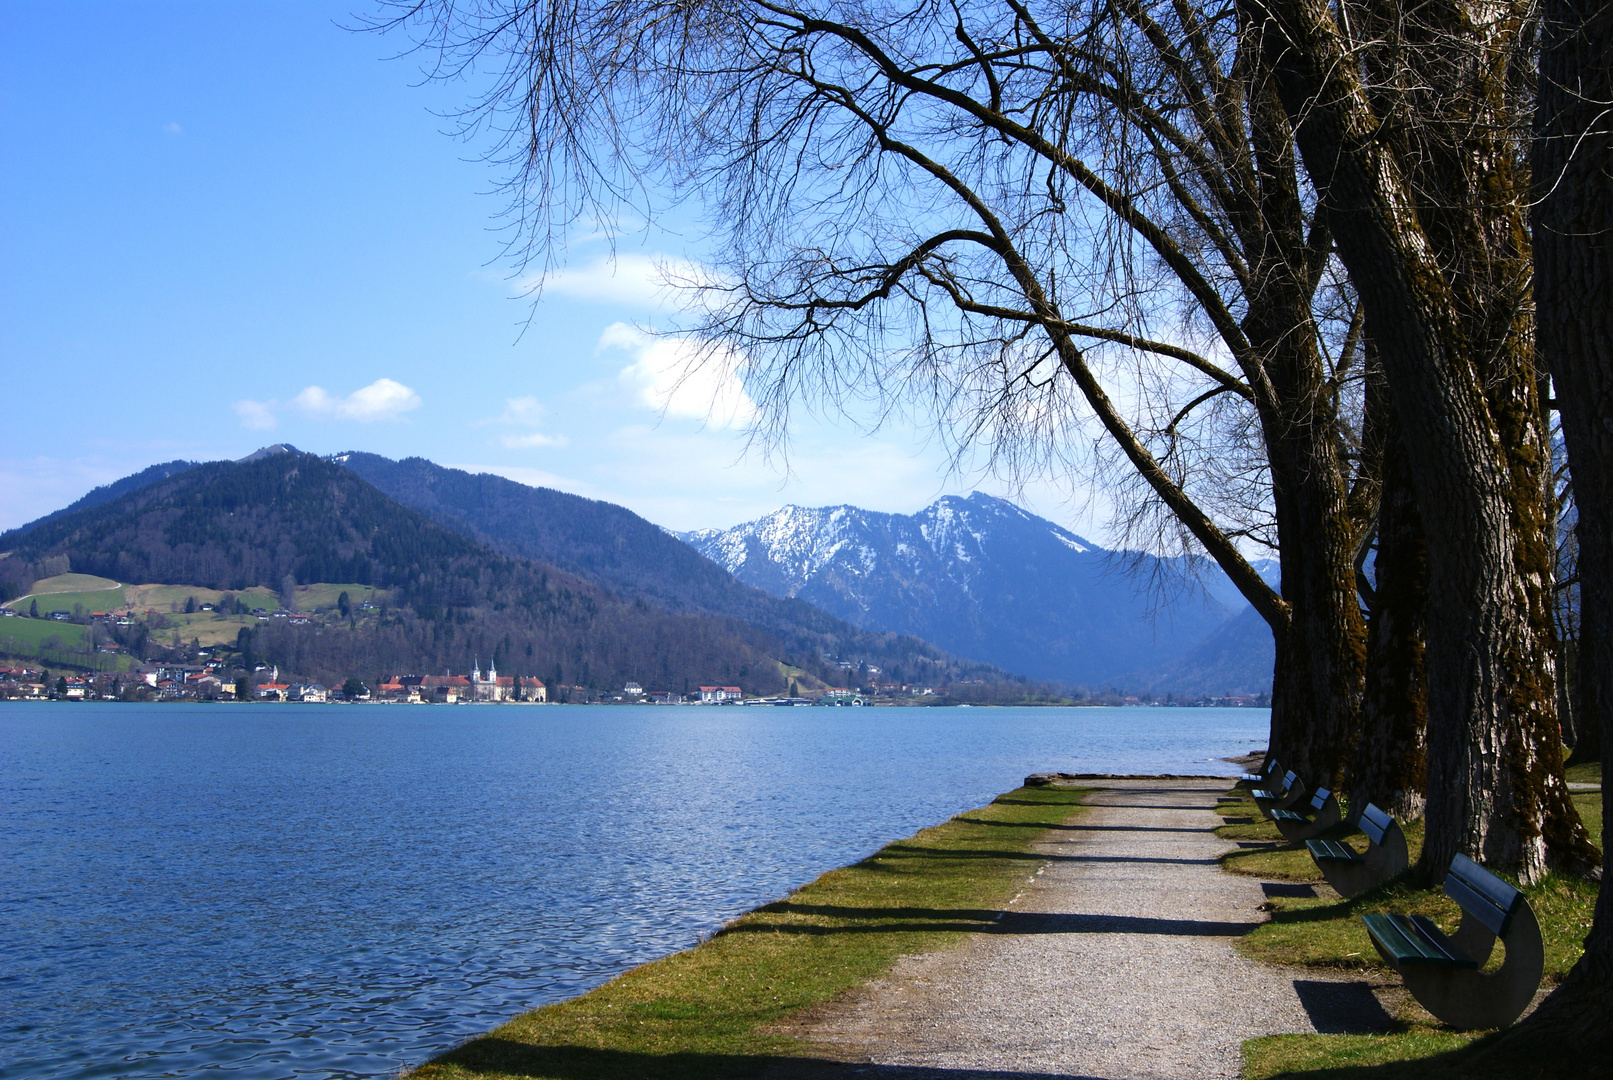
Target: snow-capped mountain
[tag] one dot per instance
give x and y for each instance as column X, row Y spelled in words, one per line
column 981, row 578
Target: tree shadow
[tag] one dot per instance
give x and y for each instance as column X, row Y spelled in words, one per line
column 1154, row 806
column 492, row 1055
column 897, row 920
column 1082, row 828
column 914, row 851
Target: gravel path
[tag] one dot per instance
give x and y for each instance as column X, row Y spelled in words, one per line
column 1115, row 962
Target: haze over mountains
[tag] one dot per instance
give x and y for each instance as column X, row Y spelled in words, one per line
column 981, row 577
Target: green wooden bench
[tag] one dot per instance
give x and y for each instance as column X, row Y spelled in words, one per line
column 1295, row 825
column 1350, row 874
column 1274, row 770
column 1443, row 972
column 1280, row 798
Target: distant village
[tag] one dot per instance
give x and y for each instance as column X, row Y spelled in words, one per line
column 215, row 674
column 214, row 682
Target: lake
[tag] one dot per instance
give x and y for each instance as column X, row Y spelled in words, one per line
column 306, row 890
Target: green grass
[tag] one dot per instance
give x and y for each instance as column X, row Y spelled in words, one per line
column 1589, row 772
column 72, row 583
column 1355, row 1056
column 31, row 634
column 163, row 598
column 721, row 1008
column 26, row 640
column 103, row 600
column 1327, row 932
column 61, row 592
column 323, row 595
column 205, row 627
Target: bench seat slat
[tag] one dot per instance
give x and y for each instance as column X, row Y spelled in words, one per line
column 1288, row 815
column 1332, row 851
column 1414, row 939
column 1262, row 794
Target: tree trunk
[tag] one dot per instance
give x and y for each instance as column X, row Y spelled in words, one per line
column 1495, row 788
column 1390, row 765
column 1321, row 653
column 1588, row 733
column 1316, row 686
column 1573, row 234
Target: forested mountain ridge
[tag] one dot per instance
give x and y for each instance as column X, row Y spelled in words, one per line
column 296, row 518
column 981, row 577
column 287, row 519
column 633, row 558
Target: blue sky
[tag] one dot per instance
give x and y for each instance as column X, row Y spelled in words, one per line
column 226, row 225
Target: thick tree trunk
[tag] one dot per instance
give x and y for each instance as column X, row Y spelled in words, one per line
column 1573, row 233
column 1390, row 764
column 1495, row 787
column 1316, row 686
column 1588, row 733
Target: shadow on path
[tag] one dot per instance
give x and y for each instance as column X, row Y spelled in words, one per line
column 1043, row 827
column 913, row 851
column 965, row 920
column 492, row 1055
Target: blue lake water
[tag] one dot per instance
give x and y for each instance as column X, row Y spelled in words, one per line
column 342, row 891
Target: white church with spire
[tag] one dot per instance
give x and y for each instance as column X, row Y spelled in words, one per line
column 488, row 688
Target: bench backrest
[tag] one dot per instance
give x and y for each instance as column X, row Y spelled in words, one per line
column 1375, row 823
column 1274, row 768
column 1483, row 895
column 1319, row 800
column 1290, row 779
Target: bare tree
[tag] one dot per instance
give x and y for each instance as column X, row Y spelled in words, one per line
column 1010, row 218
column 997, row 213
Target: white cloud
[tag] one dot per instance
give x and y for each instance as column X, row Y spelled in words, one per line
column 536, row 478
column 383, row 399
column 679, row 378
column 640, row 280
column 172, row 128
column 257, row 415
column 531, row 440
column 527, row 412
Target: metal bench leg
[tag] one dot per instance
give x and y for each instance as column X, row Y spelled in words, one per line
column 1475, row 1001
column 1348, row 879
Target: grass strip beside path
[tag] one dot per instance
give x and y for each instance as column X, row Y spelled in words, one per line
column 1327, row 932
column 713, row 1011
